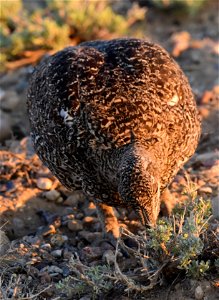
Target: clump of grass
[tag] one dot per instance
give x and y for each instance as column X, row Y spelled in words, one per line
column 59, row 24
column 188, row 6
column 93, row 280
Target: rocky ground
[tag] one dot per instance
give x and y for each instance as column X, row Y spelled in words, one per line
column 50, row 235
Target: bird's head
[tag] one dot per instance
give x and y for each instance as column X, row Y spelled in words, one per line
column 139, row 184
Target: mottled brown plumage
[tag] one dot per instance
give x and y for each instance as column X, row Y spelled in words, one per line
column 116, row 119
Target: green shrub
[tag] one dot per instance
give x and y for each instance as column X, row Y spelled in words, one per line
column 60, row 24
column 190, row 6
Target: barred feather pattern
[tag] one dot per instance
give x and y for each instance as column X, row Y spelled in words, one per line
column 115, row 118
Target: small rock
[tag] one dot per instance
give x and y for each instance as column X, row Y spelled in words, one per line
column 207, row 96
column 21, row 86
column 90, row 210
column 89, row 220
column 75, row 225
column 46, row 247
column 58, row 240
column 206, row 285
column 91, row 253
column 90, row 236
column 205, row 189
column 204, row 112
column 68, row 210
column 201, row 183
column 44, row 183
column 5, row 126
column 79, row 216
column 52, row 195
column 86, row 297
column 199, row 294
column 51, row 269
column 66, row 218
column 59, row 200
column 9, row 101
column 109, row 257
column 18, row 223
column 4, row 243
column 73, row 199
column 57, row 253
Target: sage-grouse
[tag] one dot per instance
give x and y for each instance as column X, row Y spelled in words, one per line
column 116, row 119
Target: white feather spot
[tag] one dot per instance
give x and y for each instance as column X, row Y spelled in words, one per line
column 173, row 101
column 67, row 118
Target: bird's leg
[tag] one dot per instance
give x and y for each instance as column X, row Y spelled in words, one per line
column 108, row 219
column 168, row 202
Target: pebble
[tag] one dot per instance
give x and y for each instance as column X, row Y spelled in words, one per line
column 5, row 126
column 75, row 225
column 89, row 220
column 4, row 243
column 57, row 253
column 86, row 297
column 59, row 200
column 90, row 236
column 207, row 96
column 46, row 246
column 58, row 240
column 204, row 112
column 205, row 189
column 51, row 269
column 51, row 195
column 44, row 183
column 18, row 223
column 73, row 199
column 109, row 257
column 90, row 210
column 79, row 216
column 66, row 218
column 199, row 294
column 91, row 253
column 9, row 101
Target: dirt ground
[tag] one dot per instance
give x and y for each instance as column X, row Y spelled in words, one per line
column 45, row 223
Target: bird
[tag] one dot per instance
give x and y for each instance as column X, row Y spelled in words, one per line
column 116, row 119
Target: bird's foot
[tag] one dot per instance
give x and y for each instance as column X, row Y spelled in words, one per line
column 109, row 222
column 112, row 226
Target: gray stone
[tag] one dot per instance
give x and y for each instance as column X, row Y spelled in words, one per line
column 57, row 253
column 44, row 183
column 10, row 101
column 75, row 225
column 199, row 294
column 52, row 195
